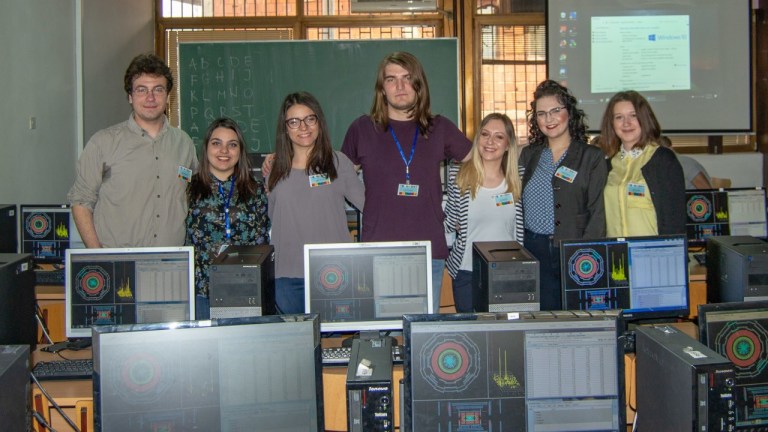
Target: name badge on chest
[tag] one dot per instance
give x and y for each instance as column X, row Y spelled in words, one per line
column 316, row 180
column 407, row 189
column 503, row 199
column 565, row 173
column 636, row 189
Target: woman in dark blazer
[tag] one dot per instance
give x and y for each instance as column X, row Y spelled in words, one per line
column 562, row 185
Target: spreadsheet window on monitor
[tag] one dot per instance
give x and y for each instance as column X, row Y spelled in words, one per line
column 725, row 212
column 367, row 286
column 126, row 286
column 526, row 375
column 643, row 276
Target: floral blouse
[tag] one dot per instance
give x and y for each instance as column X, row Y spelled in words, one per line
column 249, row 225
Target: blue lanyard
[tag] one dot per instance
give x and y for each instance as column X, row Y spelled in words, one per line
column 402, row 155
column 226, row 206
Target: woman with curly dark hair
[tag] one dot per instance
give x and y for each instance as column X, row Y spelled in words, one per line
column 562, row 185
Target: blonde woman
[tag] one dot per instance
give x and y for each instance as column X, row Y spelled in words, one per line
column 483, row 201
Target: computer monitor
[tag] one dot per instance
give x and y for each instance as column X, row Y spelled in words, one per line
column 113, row 286
column 722, row 212
column 47, row 231
column 486, row 372
column 739, row 331
column 234, row 374
column 367, row 286
column 646, row 277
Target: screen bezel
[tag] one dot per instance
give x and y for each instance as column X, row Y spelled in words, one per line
column 387, row 324
column 712, row 308
column 86, row 332
column 693, row 242
column 508, row 319
column 48, row 208
column 631, row 314
column 179, row 327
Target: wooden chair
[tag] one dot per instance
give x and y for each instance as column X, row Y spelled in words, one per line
column 84, row 415
column 718, row 183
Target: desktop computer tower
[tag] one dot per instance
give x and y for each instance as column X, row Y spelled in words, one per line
column 15, row 397
column 9, row 225
column 682, row 385
column 505, row 277
column 369, row 386
column 18, row 325
column 242, row 282
column 737, row 269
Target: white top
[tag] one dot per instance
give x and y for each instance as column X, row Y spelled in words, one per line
column 488, row 221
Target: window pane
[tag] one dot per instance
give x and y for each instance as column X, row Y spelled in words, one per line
column 228, row 8
column 512, row 64
column 493, row 7
column 343, row 33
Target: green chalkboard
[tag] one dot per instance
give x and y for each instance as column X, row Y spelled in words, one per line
column 247, row 81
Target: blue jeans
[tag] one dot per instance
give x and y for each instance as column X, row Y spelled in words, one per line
column 544, row 248
column 462, row 291
column 438, row 265
column 289, row 295
column 202, row 308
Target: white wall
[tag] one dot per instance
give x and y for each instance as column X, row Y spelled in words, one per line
column 744, row 169
column 39, row 78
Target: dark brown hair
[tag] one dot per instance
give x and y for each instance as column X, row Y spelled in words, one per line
column 149, row 64
column 577, row 126
column 650, row 131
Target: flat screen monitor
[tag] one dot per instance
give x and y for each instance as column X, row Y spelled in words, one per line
column 47, row 231
column 486, row 372
column 236, row 374
column 739, row 331
column 723, row 212
column 690, row 58
column 367, row 286
column 646, row 277
column 113, row 286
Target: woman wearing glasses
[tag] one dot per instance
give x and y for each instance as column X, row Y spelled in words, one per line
column 645, row 192
column 307, row 184
column 562, row 185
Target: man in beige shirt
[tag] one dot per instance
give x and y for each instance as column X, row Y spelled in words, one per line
column 131, row 178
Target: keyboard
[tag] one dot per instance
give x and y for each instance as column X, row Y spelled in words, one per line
column 64, row 370
column 701, row 258
column 340, row 355
column 50, row 277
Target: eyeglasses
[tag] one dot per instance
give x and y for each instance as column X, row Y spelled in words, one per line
column 143, row 91
column 545, row 115
column 295, row 123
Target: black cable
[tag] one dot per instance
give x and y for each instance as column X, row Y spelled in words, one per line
column 55, row 405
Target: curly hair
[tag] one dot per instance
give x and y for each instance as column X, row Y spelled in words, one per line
column 577, row 126
column 149, row 64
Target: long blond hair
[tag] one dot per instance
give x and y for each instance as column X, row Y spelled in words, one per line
column 472, row 172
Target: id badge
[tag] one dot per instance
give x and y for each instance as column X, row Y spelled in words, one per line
column 503, row 199
column 636, row 189
column 316, row 180
column 565, row 173
column 185, row 173
column 410, row 190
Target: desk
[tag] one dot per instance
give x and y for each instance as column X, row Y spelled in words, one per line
column 697, row 286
